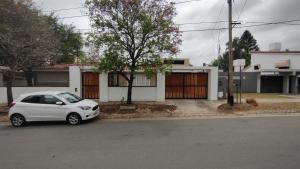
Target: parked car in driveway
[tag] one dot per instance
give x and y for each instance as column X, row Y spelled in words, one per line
column 52, row 106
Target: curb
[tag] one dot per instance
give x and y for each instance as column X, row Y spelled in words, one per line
column 3, row 123
column 203, row 117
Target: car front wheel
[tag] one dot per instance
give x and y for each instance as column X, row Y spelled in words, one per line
column 74, row 119
column 17, row 120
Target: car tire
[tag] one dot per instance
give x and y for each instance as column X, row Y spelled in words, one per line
column 17, row 120
column 73, row 118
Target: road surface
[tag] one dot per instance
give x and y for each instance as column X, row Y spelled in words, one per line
column 239, row 143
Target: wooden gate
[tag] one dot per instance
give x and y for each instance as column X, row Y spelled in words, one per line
column 186, row 86
column 90, row 85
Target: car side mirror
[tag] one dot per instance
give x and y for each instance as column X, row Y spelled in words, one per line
column 59, row 103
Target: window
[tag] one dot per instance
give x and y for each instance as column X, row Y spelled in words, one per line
column 49, row 99
column 140, row 80
column 33, row 99
column 257, row 67
column 175, row 62
column 71, row 98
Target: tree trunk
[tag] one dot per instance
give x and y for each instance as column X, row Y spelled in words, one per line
column 129, row 92
column 29, row 77
column 9, row 93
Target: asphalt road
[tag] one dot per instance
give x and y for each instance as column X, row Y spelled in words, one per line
column 241, row 143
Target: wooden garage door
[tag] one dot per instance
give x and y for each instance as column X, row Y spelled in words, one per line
column 90, row 85
column 186, row 86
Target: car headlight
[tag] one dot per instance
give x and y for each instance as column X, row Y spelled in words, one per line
column 85, row 107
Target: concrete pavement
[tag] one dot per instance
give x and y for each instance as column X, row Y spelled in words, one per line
column 240, row 143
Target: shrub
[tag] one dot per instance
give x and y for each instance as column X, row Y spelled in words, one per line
column 251, row 101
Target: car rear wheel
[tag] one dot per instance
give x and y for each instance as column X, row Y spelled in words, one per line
column 74, row 119
column 17, row 120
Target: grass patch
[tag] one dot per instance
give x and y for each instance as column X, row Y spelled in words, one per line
column 263, row 95
column 281, row 106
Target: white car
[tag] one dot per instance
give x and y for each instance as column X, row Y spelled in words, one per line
column 52, row 106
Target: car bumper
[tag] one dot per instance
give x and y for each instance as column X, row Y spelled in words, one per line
column 91, row 115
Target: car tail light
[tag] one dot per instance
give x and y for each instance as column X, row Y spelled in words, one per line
column 11, row 104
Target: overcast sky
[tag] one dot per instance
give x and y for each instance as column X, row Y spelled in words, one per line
column 202, row 47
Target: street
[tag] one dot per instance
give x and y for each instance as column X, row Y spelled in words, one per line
column 239, row 143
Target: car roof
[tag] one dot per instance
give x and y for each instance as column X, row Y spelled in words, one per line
column 42, row 93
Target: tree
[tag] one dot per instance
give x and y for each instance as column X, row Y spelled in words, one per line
column 25, row 40
column 241, row 50
column 70, row 41
column 248, row 43
column 134, row 35
column 66, row 43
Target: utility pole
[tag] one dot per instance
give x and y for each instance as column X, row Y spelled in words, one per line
column 230, row 97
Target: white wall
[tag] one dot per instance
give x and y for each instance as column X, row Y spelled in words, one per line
column 138, row 93
column 212, row 83
column 160, row 90
column 75, row 82
column 104, row 94
column 268, row 60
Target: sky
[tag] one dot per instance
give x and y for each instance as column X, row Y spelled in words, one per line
column 203, row 46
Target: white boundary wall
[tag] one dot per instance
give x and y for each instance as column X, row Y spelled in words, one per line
column 74, row 86
column 117, row 93
column 156, row 93
column 138, row 93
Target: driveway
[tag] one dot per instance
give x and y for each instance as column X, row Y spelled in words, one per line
column 241, row 143
column 194, row 107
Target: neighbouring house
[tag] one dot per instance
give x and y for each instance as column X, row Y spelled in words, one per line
column 278, row 71
column 249, row 82
column 183, row 82
column 273, row 71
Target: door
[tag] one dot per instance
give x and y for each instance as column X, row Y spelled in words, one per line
column 33, row 108
column 186, row 86
column 51, row 111
column 90, row 85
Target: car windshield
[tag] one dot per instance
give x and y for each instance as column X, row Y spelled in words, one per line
column 70, row 97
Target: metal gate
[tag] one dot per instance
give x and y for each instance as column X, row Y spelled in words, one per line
column 186, row 86
column 90, row 85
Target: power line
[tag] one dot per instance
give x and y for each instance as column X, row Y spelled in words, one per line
column 64, row 9
column 248, row 26
column 243, row 7
column 235, row 8
column 218, row 36
column 67, row 17
column 81, row 7
column 254, row 24
column 183, row 2
column 202, row 22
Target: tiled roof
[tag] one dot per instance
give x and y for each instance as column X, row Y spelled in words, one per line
column 61, row 66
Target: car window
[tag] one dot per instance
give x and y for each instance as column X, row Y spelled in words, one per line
column 71, row 98
column 49, row 99
column 33, row 99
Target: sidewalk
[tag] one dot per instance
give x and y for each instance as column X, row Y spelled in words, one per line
column 189, row 109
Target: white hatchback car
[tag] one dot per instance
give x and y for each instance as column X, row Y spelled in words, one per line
column 52, row 106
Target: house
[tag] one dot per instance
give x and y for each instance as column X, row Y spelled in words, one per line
column 277, row 71
column 249, row 82
column 183, row 82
